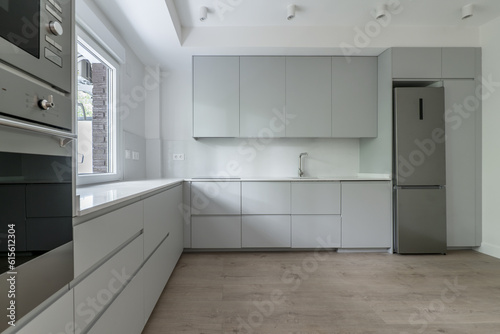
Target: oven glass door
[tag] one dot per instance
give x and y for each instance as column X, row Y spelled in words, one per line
column 20, row 24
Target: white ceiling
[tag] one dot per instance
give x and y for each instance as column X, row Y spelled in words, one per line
column 165, row 31
column 258, row 13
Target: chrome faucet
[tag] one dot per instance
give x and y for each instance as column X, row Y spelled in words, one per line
column 301, row 171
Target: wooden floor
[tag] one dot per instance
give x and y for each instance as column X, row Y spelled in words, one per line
column 312, row 293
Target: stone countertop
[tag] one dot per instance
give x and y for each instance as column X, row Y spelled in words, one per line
column 97, row 197
column 357, row 177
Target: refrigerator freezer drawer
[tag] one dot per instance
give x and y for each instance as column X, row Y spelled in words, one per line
column 421, row 221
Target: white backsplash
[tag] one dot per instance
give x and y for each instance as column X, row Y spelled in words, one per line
column 252, row 158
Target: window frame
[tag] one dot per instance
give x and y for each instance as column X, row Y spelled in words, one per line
column 115, row 132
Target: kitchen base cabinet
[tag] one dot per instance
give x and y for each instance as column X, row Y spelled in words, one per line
column 103, row 284
column 161, row 213
column 57, row 318
column 268, row 231
column 216, row 231
column 126, row 314
column 105, row 233
column 316, row 198
column 312, row 231
column 366, row 215
column 156, row 271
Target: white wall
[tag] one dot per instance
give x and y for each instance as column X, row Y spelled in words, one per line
column 238, row 157
column 490, row 43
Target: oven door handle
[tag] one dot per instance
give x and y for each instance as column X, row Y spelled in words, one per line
column 63, row 136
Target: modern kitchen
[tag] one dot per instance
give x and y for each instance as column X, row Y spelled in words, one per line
column 232, row 166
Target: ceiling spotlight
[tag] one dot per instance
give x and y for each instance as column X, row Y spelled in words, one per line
column 467, row 11
column 203, row 13
column 380, row 11
column 290, row 12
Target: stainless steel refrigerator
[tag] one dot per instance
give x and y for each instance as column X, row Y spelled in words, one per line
column 419, row 171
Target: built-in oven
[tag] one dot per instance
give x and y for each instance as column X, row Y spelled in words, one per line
column 35, row 58
column 36, row 154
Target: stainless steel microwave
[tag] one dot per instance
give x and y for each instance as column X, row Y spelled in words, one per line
column 36, row 61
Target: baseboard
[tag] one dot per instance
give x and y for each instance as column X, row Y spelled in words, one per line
column 490, row 249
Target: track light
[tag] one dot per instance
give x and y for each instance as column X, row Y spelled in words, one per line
column 467, row 11
column 290, row 12
column 380, row 11
column 203, row 13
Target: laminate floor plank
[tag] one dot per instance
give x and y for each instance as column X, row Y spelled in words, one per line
column 330, row 293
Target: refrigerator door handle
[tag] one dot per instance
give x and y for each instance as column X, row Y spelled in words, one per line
column 421, row 108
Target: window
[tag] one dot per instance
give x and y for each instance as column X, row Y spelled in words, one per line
column 96, row 114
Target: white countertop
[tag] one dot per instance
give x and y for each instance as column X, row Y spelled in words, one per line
column 357, row 177
column 98, row 197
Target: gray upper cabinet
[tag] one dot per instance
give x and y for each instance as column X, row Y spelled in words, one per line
column 354, row 97
column 262, row 96
column 216, row 98
column 459, row 63
column 309, row 96
column 416, row 63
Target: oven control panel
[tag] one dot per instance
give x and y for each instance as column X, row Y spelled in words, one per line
column 28, row 100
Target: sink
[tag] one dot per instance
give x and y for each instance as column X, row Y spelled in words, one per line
column 304, row 178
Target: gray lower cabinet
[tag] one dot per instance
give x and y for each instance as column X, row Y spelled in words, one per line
column 265, row 198
column 463, row 118
column 266, row 231
column 57, row 318
column 316, row 231
column 366, row 214
column 215, row 198
column 216, row 98
column 262, row 96
column 216, row 231
column 354, row 97
column 126, row 314
column 316, row 198
column 309, row 96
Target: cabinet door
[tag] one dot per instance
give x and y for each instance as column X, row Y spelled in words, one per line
column 161, row 214
column 215, row 198
column 461, row 157
column 262, row 96
column 366, row 215
column 265, row 231
column 354, row 110
column 106, row 282
column 312, row 231
column 216, row 231
column 315, row 198
column 57, row 318
column 105, row 234
column 156, row 275
column 459, row 63
column 265, row 198
column 126, row 314
column 309, row 96
column 416, row 63
column 216, row 96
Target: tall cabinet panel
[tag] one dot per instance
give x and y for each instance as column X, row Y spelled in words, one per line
column 354, row 97
column 262, row 96
column 308, row 96
column 216, row 105
column 462, row 108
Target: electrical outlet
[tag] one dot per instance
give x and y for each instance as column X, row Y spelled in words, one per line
column 178, row 156
column 128, row 154
column 135, row 155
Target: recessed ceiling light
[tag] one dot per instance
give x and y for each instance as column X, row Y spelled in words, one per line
column 203, row 13
column 381, row 10
column 467, row 11
column 290, row 12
